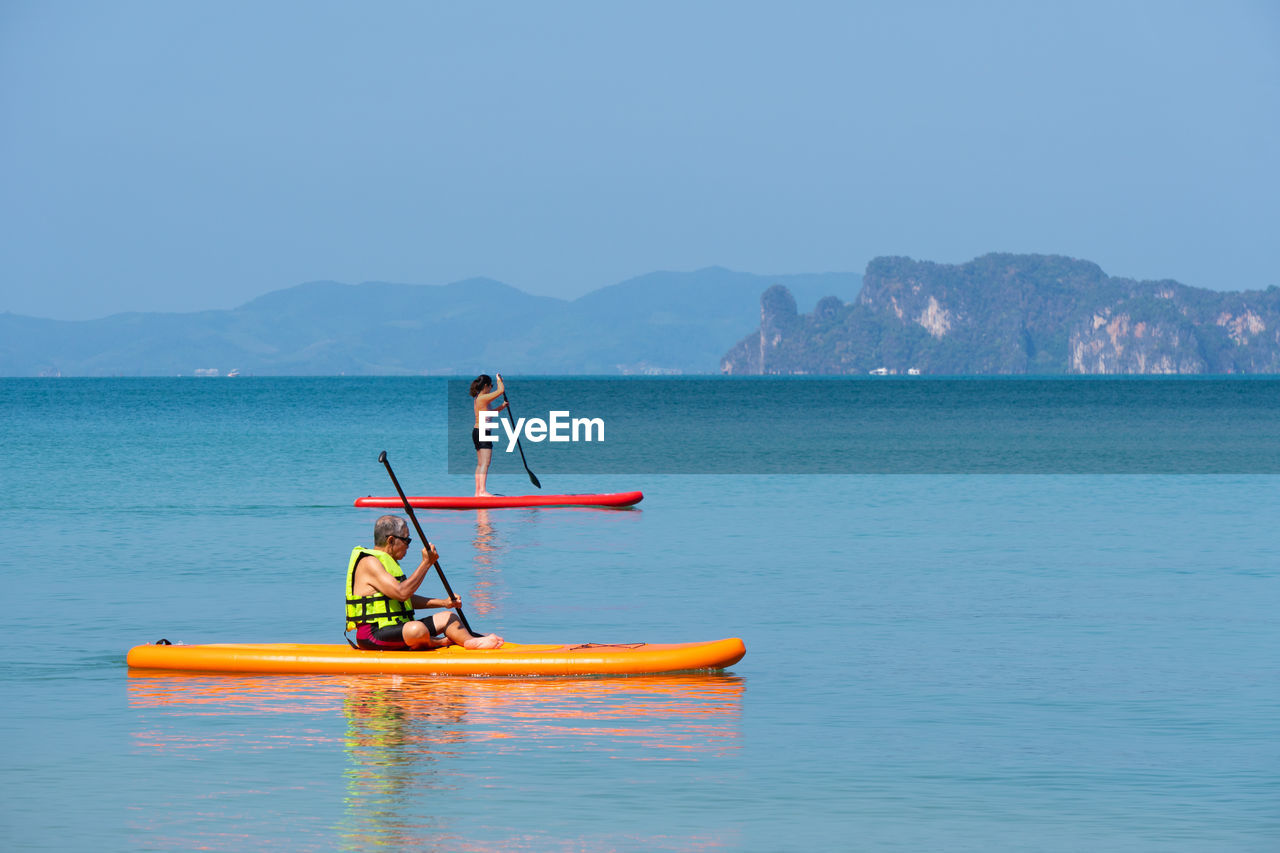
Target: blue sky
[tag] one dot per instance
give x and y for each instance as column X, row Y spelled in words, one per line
column 162, row 156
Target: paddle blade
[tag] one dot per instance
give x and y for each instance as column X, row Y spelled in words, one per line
column 533, row 479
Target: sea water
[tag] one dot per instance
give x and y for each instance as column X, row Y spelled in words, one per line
column 958, row 661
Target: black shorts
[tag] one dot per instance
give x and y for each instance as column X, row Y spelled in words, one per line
column 390, row 638
column 482, row 445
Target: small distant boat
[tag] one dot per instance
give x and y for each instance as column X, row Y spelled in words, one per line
column 232, row 372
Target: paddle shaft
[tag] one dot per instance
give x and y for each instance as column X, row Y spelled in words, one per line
column 382, row 457
column 511, row 418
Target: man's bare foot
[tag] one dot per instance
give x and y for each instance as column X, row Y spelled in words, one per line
column 484, row 494
column 487, row 641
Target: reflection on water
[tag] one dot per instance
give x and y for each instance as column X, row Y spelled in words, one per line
column 391, row 749
column 409, row 741
column 488, row 589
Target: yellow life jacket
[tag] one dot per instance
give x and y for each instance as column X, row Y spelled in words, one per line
column 377, row 609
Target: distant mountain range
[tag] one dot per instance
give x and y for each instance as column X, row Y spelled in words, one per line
column 1013, row 314
column 998, row 314
column 662, row 322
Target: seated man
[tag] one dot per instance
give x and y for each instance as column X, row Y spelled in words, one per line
column 380, row 599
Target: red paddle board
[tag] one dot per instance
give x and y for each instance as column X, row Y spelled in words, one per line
column 616, row 500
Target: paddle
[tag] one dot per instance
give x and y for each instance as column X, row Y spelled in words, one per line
column 382, row 457
column 532, row 478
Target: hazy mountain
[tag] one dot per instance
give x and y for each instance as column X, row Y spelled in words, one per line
column 661, row 321
column 1013, row 314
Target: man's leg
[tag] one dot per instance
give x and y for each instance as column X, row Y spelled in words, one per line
column 417, row 635
column 451, row 627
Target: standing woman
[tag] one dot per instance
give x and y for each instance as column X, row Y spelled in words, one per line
column 485, row 393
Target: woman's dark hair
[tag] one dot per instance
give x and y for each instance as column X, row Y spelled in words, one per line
column 480, row 383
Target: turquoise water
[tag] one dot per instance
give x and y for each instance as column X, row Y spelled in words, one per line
column 934, row 661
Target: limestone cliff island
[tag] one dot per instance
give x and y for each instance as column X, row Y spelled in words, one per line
column 1013, row 314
